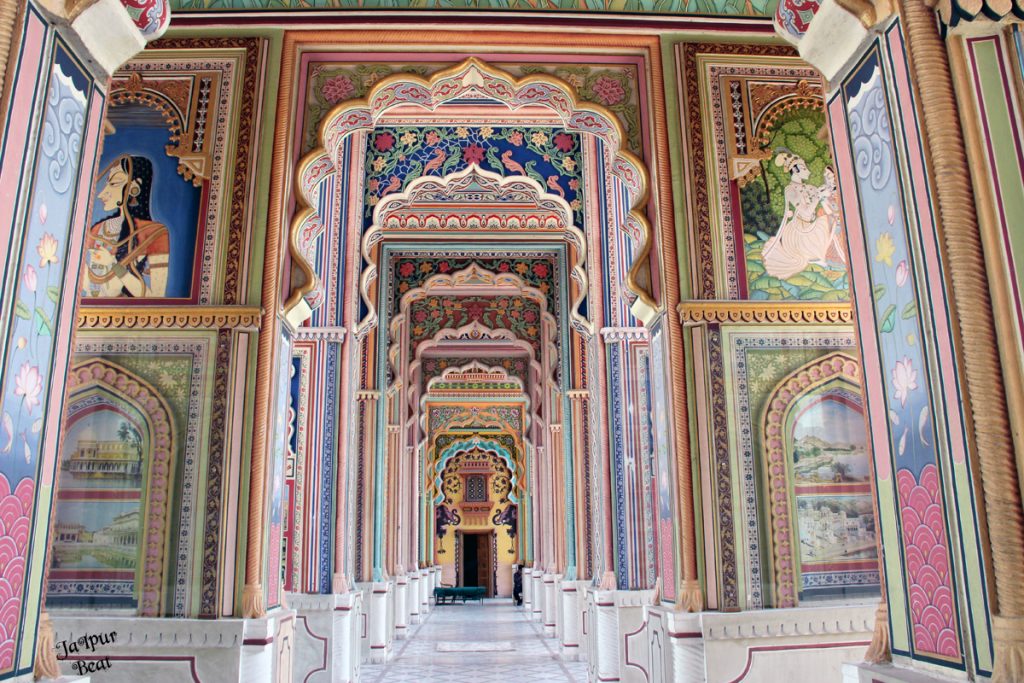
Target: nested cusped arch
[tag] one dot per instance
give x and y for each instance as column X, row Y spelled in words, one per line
column 811, row 480
column 403, row 97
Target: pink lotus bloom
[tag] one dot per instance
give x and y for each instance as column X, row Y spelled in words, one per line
column 904, row 379
column 902, row 273
column 28, row 384
column 47, row 250
column 30, row 278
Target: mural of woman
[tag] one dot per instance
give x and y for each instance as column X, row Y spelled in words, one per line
column 127, row 253
column 809, row 233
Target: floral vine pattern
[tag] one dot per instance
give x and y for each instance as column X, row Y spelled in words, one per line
column 536, row 271
column 397, row 156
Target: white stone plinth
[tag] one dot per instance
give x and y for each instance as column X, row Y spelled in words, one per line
column 570, row 621
column 528, row 589
column 891, row 673
column 401, row 606
column 798, row 645
column 426, row 591
column 414, row 597
column 537, row 610
column 327, row 634
column 549, row 613
column 147, row 649
column 618, row 645
column 675, row 645
column 378, row 607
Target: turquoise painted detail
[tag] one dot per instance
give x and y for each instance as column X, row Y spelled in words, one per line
column 467, row 445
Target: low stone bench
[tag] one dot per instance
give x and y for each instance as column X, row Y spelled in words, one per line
column 449, row 594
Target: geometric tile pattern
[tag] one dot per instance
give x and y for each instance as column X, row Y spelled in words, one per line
column 418, row 659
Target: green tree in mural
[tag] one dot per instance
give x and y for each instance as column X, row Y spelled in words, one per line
column 128, row 434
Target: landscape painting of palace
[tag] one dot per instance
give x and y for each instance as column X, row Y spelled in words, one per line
column 98, row 528
column 834, row 508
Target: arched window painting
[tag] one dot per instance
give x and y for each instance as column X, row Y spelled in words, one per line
column 832, row 493
column 142, row 240
column 100, row 502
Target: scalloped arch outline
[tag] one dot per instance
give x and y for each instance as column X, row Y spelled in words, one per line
column 472, row 78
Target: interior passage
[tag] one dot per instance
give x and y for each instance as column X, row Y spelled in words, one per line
column 482, row 642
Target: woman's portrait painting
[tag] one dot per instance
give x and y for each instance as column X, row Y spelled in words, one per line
column 143, row 240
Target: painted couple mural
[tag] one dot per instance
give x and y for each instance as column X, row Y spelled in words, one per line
column 811, row 232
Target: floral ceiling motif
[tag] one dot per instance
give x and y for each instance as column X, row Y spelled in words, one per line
column 614, row 87
column 536, row 271
column 519, row 314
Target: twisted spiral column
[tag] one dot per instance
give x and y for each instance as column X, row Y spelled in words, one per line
column 252, row 593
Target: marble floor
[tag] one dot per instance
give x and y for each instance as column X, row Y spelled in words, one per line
column 491, row 642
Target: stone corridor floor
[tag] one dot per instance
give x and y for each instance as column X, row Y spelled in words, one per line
column 435, row 650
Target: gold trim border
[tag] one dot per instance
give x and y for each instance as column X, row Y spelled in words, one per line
column 244, row 318
column 784, row 312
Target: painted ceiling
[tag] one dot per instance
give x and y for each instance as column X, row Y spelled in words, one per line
column 755, row 8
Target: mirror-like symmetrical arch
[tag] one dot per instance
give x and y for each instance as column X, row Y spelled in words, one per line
column 353, row 340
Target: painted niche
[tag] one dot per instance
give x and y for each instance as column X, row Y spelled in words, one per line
column 114, row 478
column 818, row 473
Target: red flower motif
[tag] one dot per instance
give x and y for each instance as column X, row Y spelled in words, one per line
column 420, row 316
column 476, row 309
column 574, row 185
column 503, row 267
column 406, row 269
column 337, row 89
column 563, row 141
column 608, row 91
column 432, row 138
column 374, row 184
column 516, row 138
column 540, row 270
column 473, row 154
column 384, row 142
column 443, row 267
column 530, row 316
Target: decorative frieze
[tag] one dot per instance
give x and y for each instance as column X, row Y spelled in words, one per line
column 242, row 318
column 694, row 312
column 327, row 334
